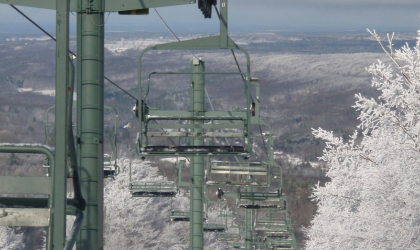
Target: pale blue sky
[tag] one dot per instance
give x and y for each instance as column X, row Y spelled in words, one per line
column 250, row 15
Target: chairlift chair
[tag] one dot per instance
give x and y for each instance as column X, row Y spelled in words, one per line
column 236, row 244
column 180, row 215
column 272, row 220
column 110, row 169
column 178, row 124
column 214, row 226
column 229, row 235
column 237, row 173
column 261, row 200
column 151, row 188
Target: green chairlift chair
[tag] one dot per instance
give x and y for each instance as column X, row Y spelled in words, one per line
column 243, row 173
column 236, row 174
column 277, row 227
column 219, row 226
column 236, row 244
column 258, row 243
column 111, row 168
column 179, row 214
column 28, row 201
column 151, row 188
column 215, row 226
column 233, row 232
column 155, row 123
column 261, row 200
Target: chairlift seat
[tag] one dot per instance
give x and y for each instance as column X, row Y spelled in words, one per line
column 236, row 244
column 193, row 150
column 228, row 237
column 208, row 125
column 109, row 167
column 179, row 215
column 259, row 206
column 278, row 234
column 153, row 189
column 260, row 196
column 213, row 227
column 272, row 224
column 243, row 168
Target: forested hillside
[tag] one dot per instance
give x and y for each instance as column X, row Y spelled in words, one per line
column 307, row 81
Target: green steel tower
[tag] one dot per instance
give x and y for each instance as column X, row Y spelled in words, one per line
column 197, row 162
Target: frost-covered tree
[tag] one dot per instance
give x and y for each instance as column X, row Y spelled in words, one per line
column 10, row 239
column 131, row 223
column 373, row 199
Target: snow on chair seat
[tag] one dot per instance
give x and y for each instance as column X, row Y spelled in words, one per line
column 153, row 189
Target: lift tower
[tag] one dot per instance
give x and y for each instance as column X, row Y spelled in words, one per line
column 90, row 83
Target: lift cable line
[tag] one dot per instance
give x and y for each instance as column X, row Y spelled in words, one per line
column 39, row 27
column 239, row 68
column 206, row 93
column 170, row 30
column 120, row 88
column 55, row 40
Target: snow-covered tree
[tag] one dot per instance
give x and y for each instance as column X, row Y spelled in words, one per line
column 373, row 199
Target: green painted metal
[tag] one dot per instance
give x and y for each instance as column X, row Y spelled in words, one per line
column 57, row 232
column 153, row 189
column 213, row 120
column 197, row 162
column 237, row 173
column 90, row 110
column 213, row 227
column 178, row 165
column 248, row 223
column 223, row 24
column 111, row 168
column 20, row 185
column 277, row 227
column 150, row 188
column 28, row 185
column 180, row 215
column 236, row 244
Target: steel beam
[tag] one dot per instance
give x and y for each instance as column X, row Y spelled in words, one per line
column 197, row 162
column 90, row 75
column 59, row 172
